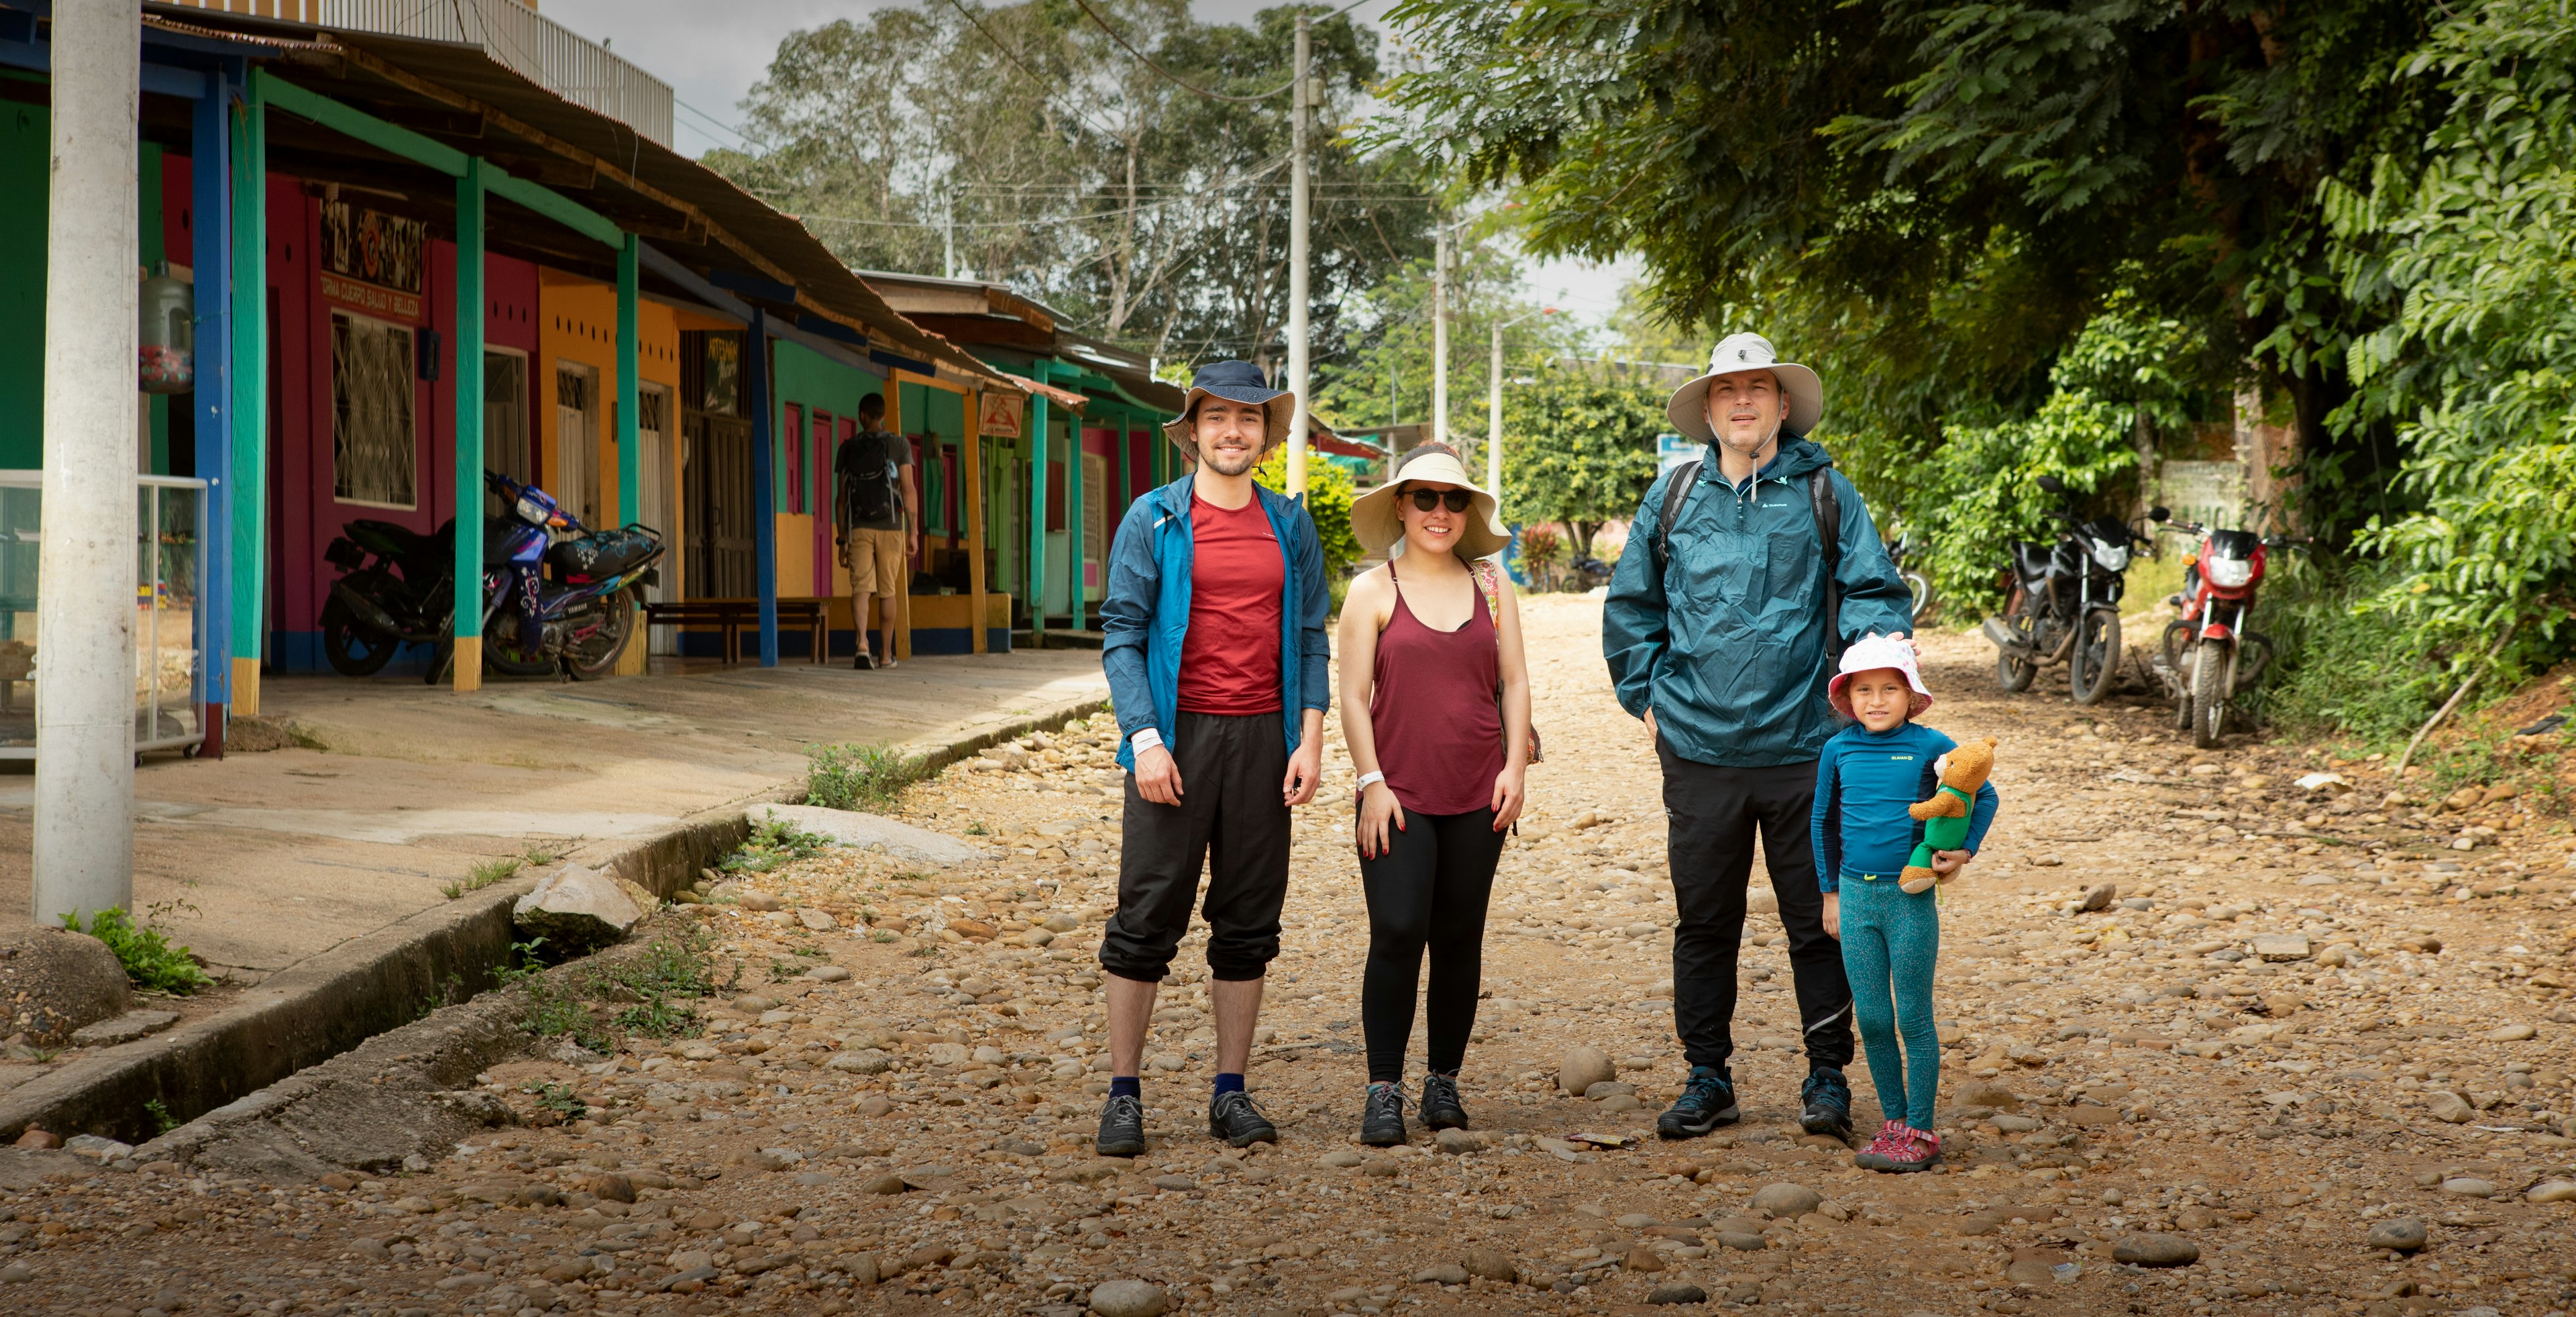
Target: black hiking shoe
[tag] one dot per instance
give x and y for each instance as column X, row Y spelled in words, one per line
column 861, row 662
column 1707, row 1101
column 1827, row 1096
column 1122, row 1127
column 1382, row 1120
column 1441, row 1109
column 1237, row 1119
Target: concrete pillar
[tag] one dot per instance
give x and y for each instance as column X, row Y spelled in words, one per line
column 470, row 198
column 85, row 656
column 249, row 430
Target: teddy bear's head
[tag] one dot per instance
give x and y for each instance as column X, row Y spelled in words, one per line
column 1967, row 766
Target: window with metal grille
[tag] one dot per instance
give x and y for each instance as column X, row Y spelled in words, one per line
column 373, row 440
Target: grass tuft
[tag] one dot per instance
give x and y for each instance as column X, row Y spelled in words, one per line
column 773, row 842
column 647, row 996
column 860, row 776
column 150, row 961
column 501, row 867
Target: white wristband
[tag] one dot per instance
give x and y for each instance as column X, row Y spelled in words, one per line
column 1146, row 739
column 1366, row 778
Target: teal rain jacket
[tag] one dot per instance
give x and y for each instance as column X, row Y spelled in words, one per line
column 1727, row 645
column 1146, row 613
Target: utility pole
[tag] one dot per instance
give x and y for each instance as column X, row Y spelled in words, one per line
column 1494, row 420
column 85, row 573
column 1300, row 252
column 1440, row 336
column 948, row 234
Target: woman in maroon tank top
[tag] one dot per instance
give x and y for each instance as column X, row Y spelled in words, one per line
column 1436, row 713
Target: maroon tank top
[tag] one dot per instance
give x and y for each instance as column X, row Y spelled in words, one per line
column 1439, row 736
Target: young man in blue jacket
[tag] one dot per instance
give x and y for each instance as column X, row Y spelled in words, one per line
column 1721, row 631
column 1213, row 639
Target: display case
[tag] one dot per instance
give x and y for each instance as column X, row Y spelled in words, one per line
column 169, row 611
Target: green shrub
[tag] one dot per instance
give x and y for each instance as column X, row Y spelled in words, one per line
column 646, row 996
column 150, row 961
column 2344, row 669
column 773, row 842
column 860, row 776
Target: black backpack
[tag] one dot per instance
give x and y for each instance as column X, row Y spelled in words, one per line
column 868, row 487
column 1829, row 520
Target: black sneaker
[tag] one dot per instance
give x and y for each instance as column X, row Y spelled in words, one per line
column 1237, row 1119
column 862, row 662
column 1440, row 1106
column 1122, row 1127
column 1382, row 1120
column 1707, row 1101
column 1827, row 1096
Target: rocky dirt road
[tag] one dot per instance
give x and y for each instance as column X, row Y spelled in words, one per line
column 2213, row 1042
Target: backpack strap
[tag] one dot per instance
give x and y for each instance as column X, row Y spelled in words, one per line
column 1676, row 494
column 1483, row 570
column 1829, row 521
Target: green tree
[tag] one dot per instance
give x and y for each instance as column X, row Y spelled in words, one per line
column 1578, row 447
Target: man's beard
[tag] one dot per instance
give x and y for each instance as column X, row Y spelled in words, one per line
column 1230, row 462
column 1748, row 450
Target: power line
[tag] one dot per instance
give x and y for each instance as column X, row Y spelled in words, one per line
column 1166, row 74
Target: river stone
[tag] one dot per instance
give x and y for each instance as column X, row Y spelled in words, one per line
column 1128, row 1298
column 1447, row 1273
column 2153, row 1250
column 54, row 981
column 1786, row 1202
column 2449, row 1108
column 1995, row 1096
column 2469, row 1186
column 1491, row 1264
column 1674, row 1291
column 2403, row 1234
column 2099, row 897
column 2553, row 1191
column 2510, row 1033
column 1582, row 1067
column 871, row 832
column 576, row 908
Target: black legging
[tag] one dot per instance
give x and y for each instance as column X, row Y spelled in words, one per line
column 1429, row 889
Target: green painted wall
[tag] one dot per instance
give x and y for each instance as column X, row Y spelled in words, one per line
column 26, row 135
column 813, row 382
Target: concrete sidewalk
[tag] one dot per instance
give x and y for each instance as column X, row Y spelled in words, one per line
column 289, row 853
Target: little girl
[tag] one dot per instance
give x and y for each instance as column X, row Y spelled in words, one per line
column 1867, row 775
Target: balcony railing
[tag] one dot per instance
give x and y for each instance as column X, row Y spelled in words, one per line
column 511, row 32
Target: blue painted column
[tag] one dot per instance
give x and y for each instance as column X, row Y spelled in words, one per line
column 764, row 481
column 210, row 251
column 1037, row 518
column 468, row 335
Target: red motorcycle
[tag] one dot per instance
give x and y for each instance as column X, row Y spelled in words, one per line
column 2209, row 657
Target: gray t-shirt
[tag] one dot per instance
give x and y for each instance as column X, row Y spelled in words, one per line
column 869, row 466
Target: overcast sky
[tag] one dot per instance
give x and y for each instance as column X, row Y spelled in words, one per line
column 710, row 54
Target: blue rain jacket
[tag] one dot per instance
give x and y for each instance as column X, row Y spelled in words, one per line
column 1727, row 645
column 1146, row 613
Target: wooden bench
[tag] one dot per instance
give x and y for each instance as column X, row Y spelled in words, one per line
column 733, row 616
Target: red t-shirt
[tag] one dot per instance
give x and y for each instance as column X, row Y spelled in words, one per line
column 1230, row 656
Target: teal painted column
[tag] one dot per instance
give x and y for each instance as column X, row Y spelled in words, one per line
column 1037, row 514
column 629, row 389
column 249, row 505
column 469, row 425
column 1075, row 557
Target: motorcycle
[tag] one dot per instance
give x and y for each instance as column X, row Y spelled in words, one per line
column 579, row 620
column 1584, row 574
column 2209, row 657
column 2065, row 603
column 1927, row 604
column 396, row 586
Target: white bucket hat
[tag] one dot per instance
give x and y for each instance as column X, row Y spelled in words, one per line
column 1379, row 523
column 1868, row 654
column 1687, row 409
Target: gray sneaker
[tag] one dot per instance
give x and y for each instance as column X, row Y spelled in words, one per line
column 1122, row 1127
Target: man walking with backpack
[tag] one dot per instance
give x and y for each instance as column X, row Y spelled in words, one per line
column 1759, row 564
column 1212, row 633
column 876, row 505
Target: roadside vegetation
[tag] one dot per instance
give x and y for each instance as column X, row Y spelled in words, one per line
column 860, row 777
column 503, row 867
column 151, row 961
column 599, row 1006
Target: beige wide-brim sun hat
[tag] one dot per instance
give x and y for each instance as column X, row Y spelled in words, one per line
column 1379, row 523
column 1687, row 409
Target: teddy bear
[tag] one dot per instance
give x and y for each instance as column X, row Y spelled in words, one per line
column 1945, row 815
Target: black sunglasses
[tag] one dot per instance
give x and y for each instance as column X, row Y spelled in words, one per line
column 1425, row 500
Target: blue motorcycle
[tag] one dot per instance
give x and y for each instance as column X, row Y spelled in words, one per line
column 580, row 618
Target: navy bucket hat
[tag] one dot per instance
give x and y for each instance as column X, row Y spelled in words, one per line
column 1234, row 381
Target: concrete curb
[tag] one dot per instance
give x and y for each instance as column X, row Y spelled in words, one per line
column 330, row 1003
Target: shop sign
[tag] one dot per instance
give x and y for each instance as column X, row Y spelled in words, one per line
column 998, row 415
column 371, row 261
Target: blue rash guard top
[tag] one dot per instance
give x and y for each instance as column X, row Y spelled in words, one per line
column 1864, row 781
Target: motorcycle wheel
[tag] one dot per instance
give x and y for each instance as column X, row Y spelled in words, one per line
column 503, row 654
column 2212, row 673
column 2095, row 663
column 2014, row 672
column 2177, row 673
column 1921, row 589
column 354, row 650
column 596, row 655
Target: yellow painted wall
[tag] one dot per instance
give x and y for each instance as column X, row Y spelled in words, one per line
column 577, row 322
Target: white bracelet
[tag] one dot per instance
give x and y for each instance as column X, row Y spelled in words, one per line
column 1146, row 739
column 1366, row 778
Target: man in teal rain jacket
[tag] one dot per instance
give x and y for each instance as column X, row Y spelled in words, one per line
column 1717, row 635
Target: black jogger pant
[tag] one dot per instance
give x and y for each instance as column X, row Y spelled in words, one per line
column 1232, row 822
column 1429, row 890
column 1711, row 814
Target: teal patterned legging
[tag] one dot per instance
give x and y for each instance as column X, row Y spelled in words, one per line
column 1890, row 941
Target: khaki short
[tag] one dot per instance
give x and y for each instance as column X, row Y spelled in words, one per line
column 877, row 561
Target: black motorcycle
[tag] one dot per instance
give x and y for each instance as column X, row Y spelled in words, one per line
column 1584, row 574
column 2065, row 603
column 1927, row 602
column 397, row 585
